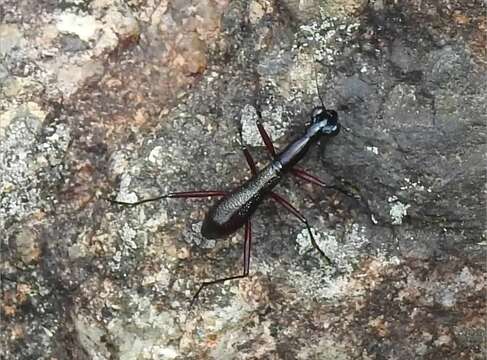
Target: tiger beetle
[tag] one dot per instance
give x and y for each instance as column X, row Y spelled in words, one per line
column 235, row 208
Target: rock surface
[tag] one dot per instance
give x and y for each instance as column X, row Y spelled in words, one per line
column 130, row 99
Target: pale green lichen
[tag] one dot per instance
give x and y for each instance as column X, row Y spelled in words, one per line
column 398, row 210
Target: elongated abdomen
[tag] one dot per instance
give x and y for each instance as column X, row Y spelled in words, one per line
column 233, row 211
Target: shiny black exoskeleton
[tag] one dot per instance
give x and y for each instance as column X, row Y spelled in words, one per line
column 235, row 208
column 232, row 212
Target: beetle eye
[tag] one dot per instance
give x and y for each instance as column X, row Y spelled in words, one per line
column 332, row 127
column 335, row 130
column 318, row 114
column 332, row 115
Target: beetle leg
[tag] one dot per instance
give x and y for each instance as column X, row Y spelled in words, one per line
column 182, row 194
column 246, row 264
column 288, row 206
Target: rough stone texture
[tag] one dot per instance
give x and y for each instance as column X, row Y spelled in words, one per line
column 130, row 99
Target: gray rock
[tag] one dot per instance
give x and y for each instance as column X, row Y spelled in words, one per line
column 130, row 100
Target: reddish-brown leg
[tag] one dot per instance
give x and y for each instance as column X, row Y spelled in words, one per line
column 246, row 264
column 267, row 139
column 304, row 175
column 297, row 172
column 182, row 194
column 250, row 160
column 288, row 206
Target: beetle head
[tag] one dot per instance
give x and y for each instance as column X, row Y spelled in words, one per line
column 326, row 120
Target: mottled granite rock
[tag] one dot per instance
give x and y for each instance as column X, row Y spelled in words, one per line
column 131, row 99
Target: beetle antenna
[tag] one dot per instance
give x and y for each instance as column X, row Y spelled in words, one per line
column 316, row 81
